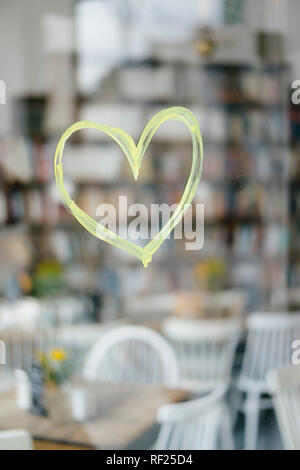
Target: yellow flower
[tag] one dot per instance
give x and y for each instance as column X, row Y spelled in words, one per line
column 58, row 355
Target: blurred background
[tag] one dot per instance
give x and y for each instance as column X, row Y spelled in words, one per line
column 118, row 62
column 232, row 63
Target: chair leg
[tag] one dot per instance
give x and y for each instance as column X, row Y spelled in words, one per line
column 227, row 440
column 252, row 409
column 235, row 403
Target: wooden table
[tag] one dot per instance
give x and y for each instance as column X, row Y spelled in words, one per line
column 127, row 412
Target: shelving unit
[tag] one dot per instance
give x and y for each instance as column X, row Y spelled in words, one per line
column 294, row 197
column 243, row 120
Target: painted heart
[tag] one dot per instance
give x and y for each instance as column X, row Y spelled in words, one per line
column 134, row 154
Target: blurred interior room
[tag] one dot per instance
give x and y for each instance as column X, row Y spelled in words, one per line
column 200, row 349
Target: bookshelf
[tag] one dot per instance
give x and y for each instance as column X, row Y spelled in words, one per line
column 243, row 120
column 294, row 197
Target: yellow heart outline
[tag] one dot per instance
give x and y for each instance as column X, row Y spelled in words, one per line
column 134, row 154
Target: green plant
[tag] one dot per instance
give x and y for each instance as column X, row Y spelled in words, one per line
column 57, row 366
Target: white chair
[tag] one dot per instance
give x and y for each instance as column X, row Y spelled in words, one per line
column 268, row 346
column 204, row 348
column 132, row 354
column 16, row 439
column 196, row 424
column 22, row 345
column 284, row 385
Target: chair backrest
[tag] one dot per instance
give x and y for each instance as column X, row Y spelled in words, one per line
column 269, row 343
column 16, row 439
column 284, row 385
column 132, row 354
column 204, row 348
column 191, row 425
column 21, row 345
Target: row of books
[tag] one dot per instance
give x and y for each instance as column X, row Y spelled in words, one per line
column 29, row 206
column 294, row 274
column 295, row 201
column 294, row 167
column 42, row 205
column 294, row 196
column 238, row 243
column 216, row 124
column 256, row 162
column 163, row 82
column 26, row 160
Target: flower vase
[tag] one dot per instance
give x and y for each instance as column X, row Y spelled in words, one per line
column 58, row 404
